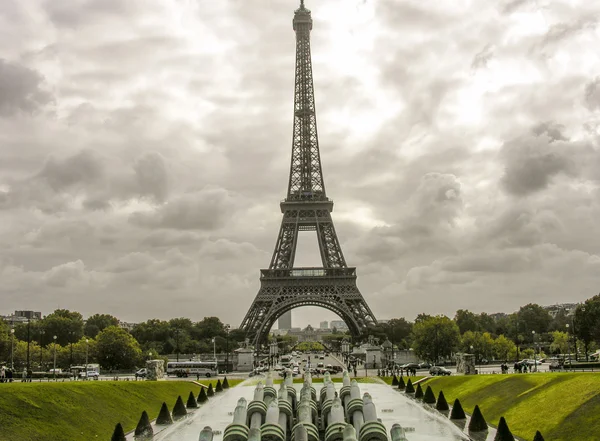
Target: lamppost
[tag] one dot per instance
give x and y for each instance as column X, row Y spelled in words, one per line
column 28, row 342
column 86, row 358
column 568, row 344
column 214, row 351
column 71, row 333
column 54, row 370
column 177, row 342
column 534, row 352
column 12, row 349
column 227, row 327
column 42, row 332
column 346, row 351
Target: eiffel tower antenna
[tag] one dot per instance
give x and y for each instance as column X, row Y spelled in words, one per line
column 306, row 208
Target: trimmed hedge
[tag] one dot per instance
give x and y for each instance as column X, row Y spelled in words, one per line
column 179, row 410
column 419, row 392
column 225, row 383
column 143, row 430
column 219, row 387
column 202, row 397
column 118, row 434
column 503, row 433
column 458, row 412
column 191, row 401
column 538, row 436
column 164, row 416
column 410, row 389
column 395, row 381
column 442, row 404
column 429, row 398
column 477, row 423
column 210, row 392
column 401, row 384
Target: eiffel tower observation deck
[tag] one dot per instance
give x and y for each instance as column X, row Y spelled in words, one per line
column 306, row 208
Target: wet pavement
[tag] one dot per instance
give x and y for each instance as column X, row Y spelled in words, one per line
column 422, row 422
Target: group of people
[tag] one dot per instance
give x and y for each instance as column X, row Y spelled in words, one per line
column 387, row 372
column 8, row 376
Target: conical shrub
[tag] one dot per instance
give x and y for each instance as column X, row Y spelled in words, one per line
column 179, row 409
column 419, row 392
column 202, row 397
column 118, row 434
column 210, row 392
column 401, row 384
column 191, row 402
column 457, row 411
column 442, row 404
column 503, row 432
column 164, row 416
column 225, row 383
column 143, row 430
column 538, row 436
column 219, row 387
column 477, row 423
column 410, row 389
column 429, row 397
column 394, row 380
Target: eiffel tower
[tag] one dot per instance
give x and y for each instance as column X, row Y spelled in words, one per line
column 306, row 208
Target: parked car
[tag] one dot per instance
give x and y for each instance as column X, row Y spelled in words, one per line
column 424, row 365
column 439, row 370
column 141, row 373
column 410, row 366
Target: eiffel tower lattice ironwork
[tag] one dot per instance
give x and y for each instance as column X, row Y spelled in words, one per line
column 306, row 208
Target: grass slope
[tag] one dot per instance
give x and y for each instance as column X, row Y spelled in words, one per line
column 80, row 410
column 563, row 406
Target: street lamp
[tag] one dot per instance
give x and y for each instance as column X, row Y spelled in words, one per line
column 534, row 352
column 214, row 351
column 227, row 327
column 42, row 332
column 28, row 342
column 86, row 358
column 71, row 333
column 568, row 344
column 12, row 349
column 54, row 370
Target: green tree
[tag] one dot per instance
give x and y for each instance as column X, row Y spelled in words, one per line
column 560, row 342
column 466, row 321
column 435, row 337
column 398, row 331
column 97, row 323
column 117, row 349
column 504, row 348
column 534, row 318
column 481, row 342
column 66, row 325
column 587, row 322
column 209, row 327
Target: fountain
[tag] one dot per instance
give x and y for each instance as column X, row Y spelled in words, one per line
column 298, row 412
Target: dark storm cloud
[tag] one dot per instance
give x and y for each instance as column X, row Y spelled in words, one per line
column 20, row 89
column 207, row 209
column 592, row 94
column 532, row 162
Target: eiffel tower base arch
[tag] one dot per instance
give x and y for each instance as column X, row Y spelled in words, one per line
column 334, row 290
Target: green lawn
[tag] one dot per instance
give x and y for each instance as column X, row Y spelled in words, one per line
column 81, row 410
column 563, row 406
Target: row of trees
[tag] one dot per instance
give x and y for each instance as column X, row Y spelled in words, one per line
column 432, row 337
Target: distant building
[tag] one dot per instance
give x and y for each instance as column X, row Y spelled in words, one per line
column 309, row 334
column 324, row 325
column 567, row 309
column 285, row 321
column 340, row 325
column 127, row 326
column 22, row 317
column 31, row 315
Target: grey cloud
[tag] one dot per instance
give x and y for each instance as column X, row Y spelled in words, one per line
column 592, row 94
column 207, row 209
column 152, row 176
column 20, row 89
column 80, row 12
column 562, row 31
column 551, row 129
column 533, row 162
column 82, row 168
column 482, row 58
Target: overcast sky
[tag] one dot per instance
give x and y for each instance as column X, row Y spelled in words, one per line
column 145, row 146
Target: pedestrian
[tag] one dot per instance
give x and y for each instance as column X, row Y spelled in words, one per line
column 2, row 374
column 29, row 375
column 24, row 376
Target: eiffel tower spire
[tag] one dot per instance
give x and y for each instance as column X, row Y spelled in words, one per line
column 306, row 208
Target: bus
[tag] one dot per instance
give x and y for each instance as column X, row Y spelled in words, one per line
column 185, row 368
